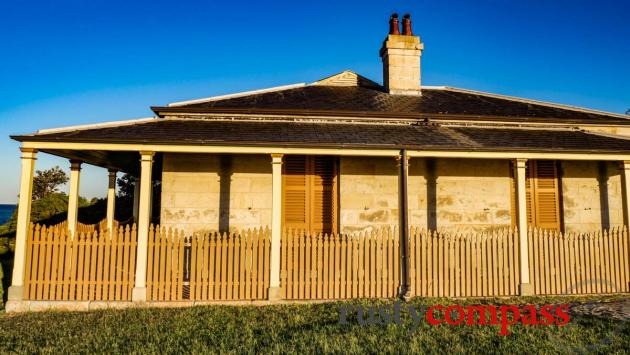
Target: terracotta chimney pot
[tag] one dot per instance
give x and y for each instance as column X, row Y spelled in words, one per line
column 394, row 28
column 407, row 25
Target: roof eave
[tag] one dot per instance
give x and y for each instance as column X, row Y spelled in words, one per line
column 37, row 139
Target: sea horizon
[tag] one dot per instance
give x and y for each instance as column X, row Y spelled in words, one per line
column 6, row 210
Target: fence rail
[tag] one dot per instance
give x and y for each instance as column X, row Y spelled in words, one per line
column 90, row 266
column 579, row 263
column 334, row 266
column 210, row 266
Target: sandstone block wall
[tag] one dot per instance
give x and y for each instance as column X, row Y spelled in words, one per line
column 591, row 195
column 368, row 193
column 471, row 195
column 204, row 192
column 459, row 194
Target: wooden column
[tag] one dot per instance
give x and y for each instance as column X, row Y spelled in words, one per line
column 276, row 227
column 16, row 291
column 625, row 180
column 520, row 166
column 73, row 196
column 139, row 293
column 403, row 207
column 111, row 201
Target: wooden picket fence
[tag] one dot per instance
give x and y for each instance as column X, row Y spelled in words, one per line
column 88, row 267
column 95, row 265
column 210, row 266
column 572, row 263
column 464, row 264
column 337, row 266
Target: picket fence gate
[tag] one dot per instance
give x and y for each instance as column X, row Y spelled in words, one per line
column 208, row 266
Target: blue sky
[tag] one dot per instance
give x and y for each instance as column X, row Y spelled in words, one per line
column 73, row 62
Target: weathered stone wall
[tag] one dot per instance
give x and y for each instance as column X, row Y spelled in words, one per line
column 459, row 194
column 472, row 194
column 203, row 192
column 368, row 193
column 591, row 195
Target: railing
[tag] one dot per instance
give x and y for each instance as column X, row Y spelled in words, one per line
column 88, row 267
column 334, row 266
column 447, row 264
column 210, row 266
column 585, row 263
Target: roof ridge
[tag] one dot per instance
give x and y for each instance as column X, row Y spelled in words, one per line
column 529, row 101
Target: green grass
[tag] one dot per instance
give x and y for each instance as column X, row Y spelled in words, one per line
column 292, row 328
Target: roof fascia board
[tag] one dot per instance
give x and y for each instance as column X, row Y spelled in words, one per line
column 472, row 154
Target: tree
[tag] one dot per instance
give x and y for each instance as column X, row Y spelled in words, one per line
column 126, row 184
column 124, row 203
column 628, row 112
column 53, row 205
column 47, row 182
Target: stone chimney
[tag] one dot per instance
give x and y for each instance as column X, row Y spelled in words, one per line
column 401, row 58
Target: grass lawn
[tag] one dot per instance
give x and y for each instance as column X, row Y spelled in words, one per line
column 296, row 328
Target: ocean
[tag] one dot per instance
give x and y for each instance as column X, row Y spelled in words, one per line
column 5, row 213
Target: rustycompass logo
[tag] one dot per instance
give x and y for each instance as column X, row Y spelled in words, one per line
column 459, row 315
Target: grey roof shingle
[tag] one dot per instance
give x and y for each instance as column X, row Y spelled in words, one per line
column 357, row 99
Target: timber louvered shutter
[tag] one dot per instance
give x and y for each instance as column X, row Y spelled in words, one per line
column 545, row 195
column 295, row 210
column 323, row 192
column 310, row 193
column 542, row 194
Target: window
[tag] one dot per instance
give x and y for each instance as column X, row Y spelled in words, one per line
column 310, row 193
column 542, row 185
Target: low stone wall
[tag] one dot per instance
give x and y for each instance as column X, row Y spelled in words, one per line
column 84, row 306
